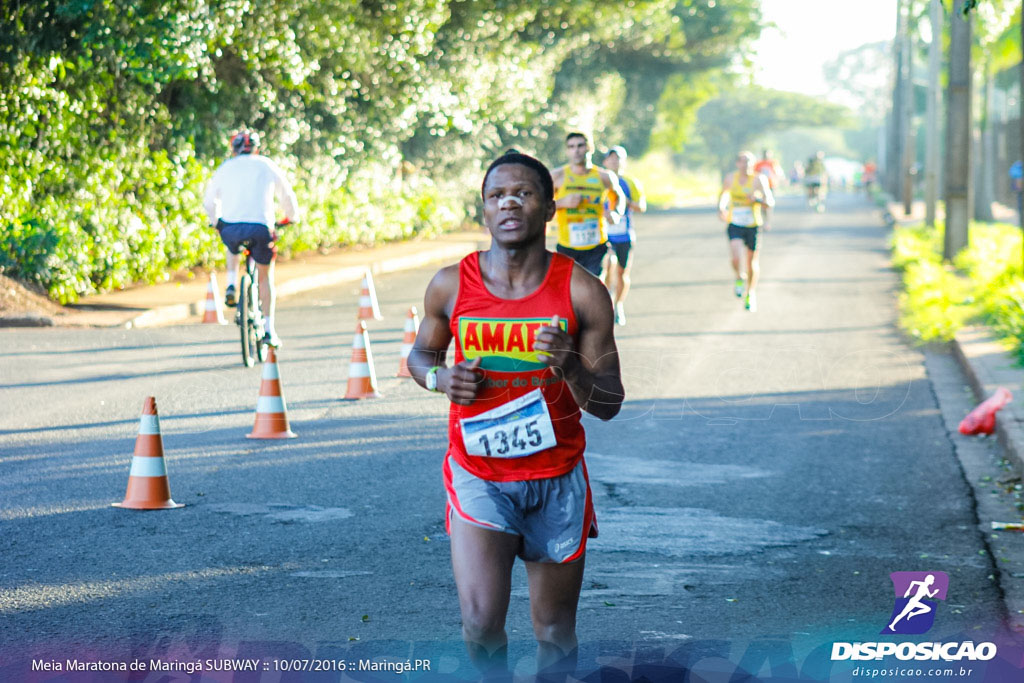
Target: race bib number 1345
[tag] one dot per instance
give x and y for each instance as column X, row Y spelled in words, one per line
column 518, row 428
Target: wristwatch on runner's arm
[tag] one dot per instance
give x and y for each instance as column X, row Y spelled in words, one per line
column 430, row 381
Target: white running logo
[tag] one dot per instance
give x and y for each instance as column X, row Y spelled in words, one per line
column 915, row 607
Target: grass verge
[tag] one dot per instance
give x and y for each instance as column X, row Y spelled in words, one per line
column 984, row 285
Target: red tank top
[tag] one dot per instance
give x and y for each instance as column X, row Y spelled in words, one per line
column 501, row 332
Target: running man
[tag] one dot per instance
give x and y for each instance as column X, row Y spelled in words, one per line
column 581, row 217
column 240, row 204
column 770, row 168
column 533, row 345
column 915, row 607
column 743, row 197
column 622, row 235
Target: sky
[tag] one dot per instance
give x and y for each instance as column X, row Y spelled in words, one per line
column 810, row 33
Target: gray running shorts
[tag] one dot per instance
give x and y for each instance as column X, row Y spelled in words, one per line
column 553, row 516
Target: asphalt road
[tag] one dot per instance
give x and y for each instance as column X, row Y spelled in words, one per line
column 766, row 475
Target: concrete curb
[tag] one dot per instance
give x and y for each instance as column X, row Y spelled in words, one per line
column 988, row 366
column 163, row 315
column 27, row 320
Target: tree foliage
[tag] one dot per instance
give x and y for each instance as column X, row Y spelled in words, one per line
column 740, row 117
column 114, row 112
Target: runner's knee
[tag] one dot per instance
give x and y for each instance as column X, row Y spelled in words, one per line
column 560, row 633
column 482, row 625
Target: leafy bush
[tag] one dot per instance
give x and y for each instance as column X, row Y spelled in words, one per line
column 114, row 114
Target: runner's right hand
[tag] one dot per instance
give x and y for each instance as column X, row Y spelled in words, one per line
column 462, row 381
column 572, row 201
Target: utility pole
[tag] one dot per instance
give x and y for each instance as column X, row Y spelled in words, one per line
column 894, row 155
column 958, row 135
column 984, row 192
column 907, row 115
column 931, row 153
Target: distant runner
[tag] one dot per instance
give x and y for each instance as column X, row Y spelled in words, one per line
column 581, row 217
column 816, row 181
column 769, row 168
column 622, row 235
column 533, row 344
column 744, row 194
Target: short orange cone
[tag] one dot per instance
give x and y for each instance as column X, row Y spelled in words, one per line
column 271, row 417
column 412, row 324
column 362, row 380
column 213, row 313
column 368, row 308
column 148, row 488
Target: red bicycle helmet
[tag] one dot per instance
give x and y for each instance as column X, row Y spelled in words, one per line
column 244, row 142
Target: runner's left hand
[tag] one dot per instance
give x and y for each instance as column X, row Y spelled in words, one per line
column 557, row 348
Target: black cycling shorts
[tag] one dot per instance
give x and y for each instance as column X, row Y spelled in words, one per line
column 591, row 259
column 623, row 251
column 260, row 238
column 745, row 233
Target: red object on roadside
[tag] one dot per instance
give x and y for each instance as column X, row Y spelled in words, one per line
column 982, row 420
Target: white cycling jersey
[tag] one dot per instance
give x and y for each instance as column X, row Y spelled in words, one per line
column 243, row 190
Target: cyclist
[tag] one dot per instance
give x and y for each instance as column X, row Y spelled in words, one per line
column 744, row 196
column 816, row 181
column 534, row 344
column 622, row 235
column 240, row 204
column 580, row 214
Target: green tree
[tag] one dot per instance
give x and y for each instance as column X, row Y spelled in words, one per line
column 114, row 112
column 740, row 117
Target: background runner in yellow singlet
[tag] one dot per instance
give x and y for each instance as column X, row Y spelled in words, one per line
column 743, row 197
column 580, row 214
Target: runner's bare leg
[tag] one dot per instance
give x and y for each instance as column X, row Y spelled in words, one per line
column 482, row 561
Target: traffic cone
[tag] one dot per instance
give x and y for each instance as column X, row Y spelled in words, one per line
column 368, row 308
column 362, row 380
column 412, row 324
column 271, row 418
column 148, row 488
column 982, row 420
column 213, row 312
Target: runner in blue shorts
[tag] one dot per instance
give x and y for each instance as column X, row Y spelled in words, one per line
column 622, row 235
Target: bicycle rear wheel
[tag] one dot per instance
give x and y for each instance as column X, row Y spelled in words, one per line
column 258, row 324
column 246, row 322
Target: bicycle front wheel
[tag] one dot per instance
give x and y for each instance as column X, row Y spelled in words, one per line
column 246, row 322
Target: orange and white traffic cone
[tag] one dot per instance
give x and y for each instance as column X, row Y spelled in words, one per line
column 271, row 416
column 362, row 380
column 148, row 488
column 412, row 325
column 368, row 308
column 213, row 313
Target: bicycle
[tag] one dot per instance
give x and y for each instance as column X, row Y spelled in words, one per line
column 248, row 314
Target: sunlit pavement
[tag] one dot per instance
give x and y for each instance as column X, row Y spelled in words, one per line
column 767, row 473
